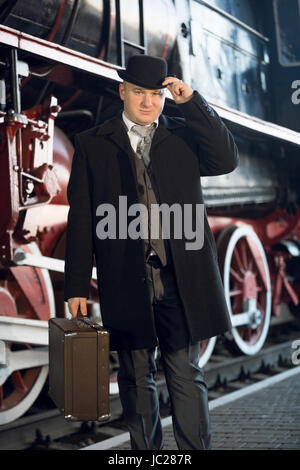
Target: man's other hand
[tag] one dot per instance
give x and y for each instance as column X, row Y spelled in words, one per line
column 180, row 91
column 74, row 303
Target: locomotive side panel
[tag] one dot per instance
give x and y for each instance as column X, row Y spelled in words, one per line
column 229, row 63
column 284, row 32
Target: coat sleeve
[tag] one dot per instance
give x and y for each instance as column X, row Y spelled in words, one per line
column 216, row 149
column 79, row 235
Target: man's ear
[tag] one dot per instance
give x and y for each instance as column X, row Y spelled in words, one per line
column 121, row 91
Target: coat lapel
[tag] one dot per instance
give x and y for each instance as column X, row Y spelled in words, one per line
column 115, row 130
column 164, row 128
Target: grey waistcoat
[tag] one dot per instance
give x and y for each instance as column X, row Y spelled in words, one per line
column 147, row 196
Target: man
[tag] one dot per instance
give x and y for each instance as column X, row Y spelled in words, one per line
column 152, row 290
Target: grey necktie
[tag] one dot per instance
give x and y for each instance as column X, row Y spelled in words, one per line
column 143, row 148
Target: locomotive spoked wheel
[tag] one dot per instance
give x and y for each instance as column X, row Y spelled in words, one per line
column 20, row 380
column 247, row 287
column 206, row 349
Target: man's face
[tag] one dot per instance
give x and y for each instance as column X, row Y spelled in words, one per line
column 141, row 105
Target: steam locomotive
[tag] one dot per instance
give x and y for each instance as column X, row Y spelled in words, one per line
column 58, row 76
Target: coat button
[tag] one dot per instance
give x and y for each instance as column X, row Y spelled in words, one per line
column 141, row 189
column 144, row 280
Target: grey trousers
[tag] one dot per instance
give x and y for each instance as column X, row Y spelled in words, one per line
column 187, row 391
column 184, row 378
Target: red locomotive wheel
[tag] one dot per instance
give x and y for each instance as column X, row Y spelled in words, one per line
column 247, row 286
column 21, row 381
column 206, row 349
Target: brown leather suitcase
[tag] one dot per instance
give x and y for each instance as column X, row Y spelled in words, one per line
column 79, row 368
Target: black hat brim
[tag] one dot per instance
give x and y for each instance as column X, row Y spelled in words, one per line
column 129, row 78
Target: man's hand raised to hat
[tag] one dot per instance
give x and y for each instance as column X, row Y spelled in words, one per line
column 180, row 91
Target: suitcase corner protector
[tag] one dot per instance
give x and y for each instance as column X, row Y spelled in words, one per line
column 104, row 333
column 104, row 417
column 70, row 418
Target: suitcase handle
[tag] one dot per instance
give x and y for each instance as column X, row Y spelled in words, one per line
column 87, row 321
column 79, row 315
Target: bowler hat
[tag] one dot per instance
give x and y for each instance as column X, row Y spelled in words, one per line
column 145, row 71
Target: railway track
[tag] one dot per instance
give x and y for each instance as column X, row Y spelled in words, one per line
column 46, row 429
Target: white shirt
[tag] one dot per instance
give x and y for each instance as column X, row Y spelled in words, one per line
column 133, row 136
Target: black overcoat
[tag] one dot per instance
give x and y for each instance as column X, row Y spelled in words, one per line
column 183, row 149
